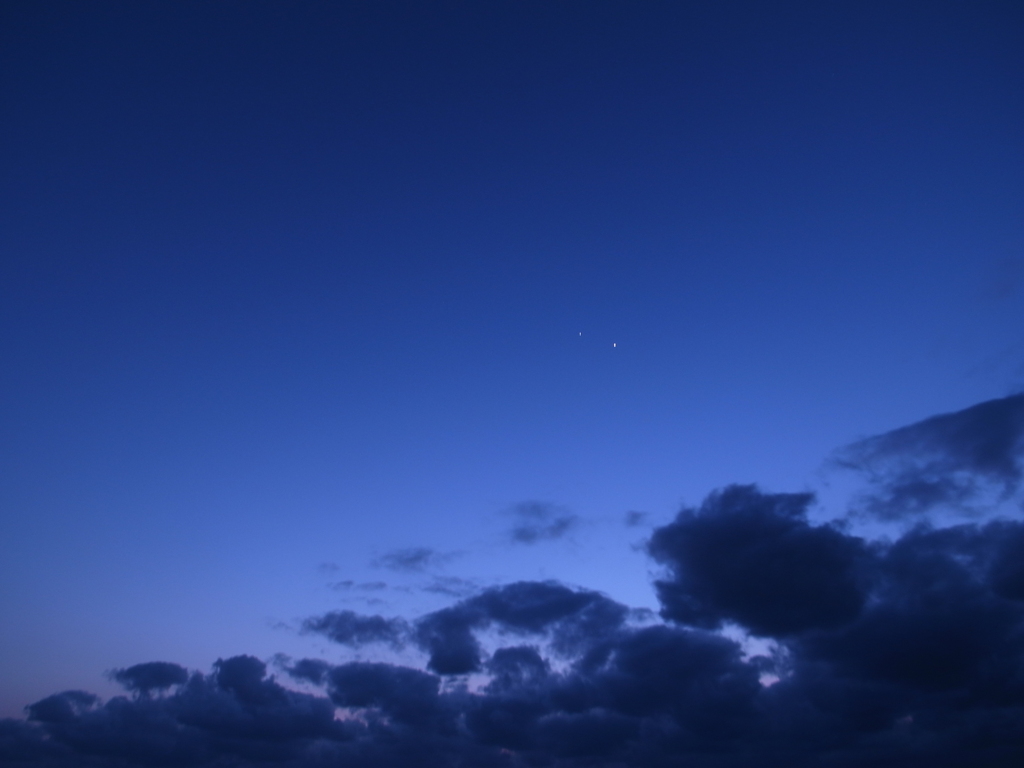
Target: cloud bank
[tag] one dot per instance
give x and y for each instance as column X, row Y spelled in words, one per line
column 907, row 652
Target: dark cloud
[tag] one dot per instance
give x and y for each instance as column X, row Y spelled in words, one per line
column 413, row 559
column 152, row 676
column 537, row 521
column 940, row 616
column 406, row 696
column 353, row 629
column 236, row 715
column 447, row 635
column 896, row 653
column 308, row 670
column 62, row 707
column 752, row 558
column 955, row 461
column 571, row 618
column 22, row 744
column 516, row 668
column 653, row 691
column 929, row 671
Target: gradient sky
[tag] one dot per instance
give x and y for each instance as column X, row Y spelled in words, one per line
column 308, row 306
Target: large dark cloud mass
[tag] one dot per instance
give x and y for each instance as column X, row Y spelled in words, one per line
column 907, row 652
column 753, row 559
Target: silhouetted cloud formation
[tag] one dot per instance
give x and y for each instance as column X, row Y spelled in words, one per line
column 753, row 559
column 539, row 521
column 571, row 618
column 907, row 652
column 953, row 460
column 152, row 676
column 352, row 629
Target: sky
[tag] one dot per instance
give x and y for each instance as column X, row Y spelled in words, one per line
column 395, row 376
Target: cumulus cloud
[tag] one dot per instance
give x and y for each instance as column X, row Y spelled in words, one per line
column 960, row 461
column 537, row 521
column 571, row 618
column 904, row 652
column 752, row 558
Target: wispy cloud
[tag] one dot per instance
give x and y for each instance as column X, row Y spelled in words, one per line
column 634, row 519
column 361, row 586
column 536, row 521
column 414, row 559
column 963, row 461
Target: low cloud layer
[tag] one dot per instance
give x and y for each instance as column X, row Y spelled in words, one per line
column 907, row 652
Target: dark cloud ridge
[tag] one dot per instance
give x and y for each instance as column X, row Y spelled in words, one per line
column 907, row 652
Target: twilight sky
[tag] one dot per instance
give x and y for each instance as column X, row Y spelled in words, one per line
column 382, row 344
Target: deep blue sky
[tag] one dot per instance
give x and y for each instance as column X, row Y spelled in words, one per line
column 288, row 287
